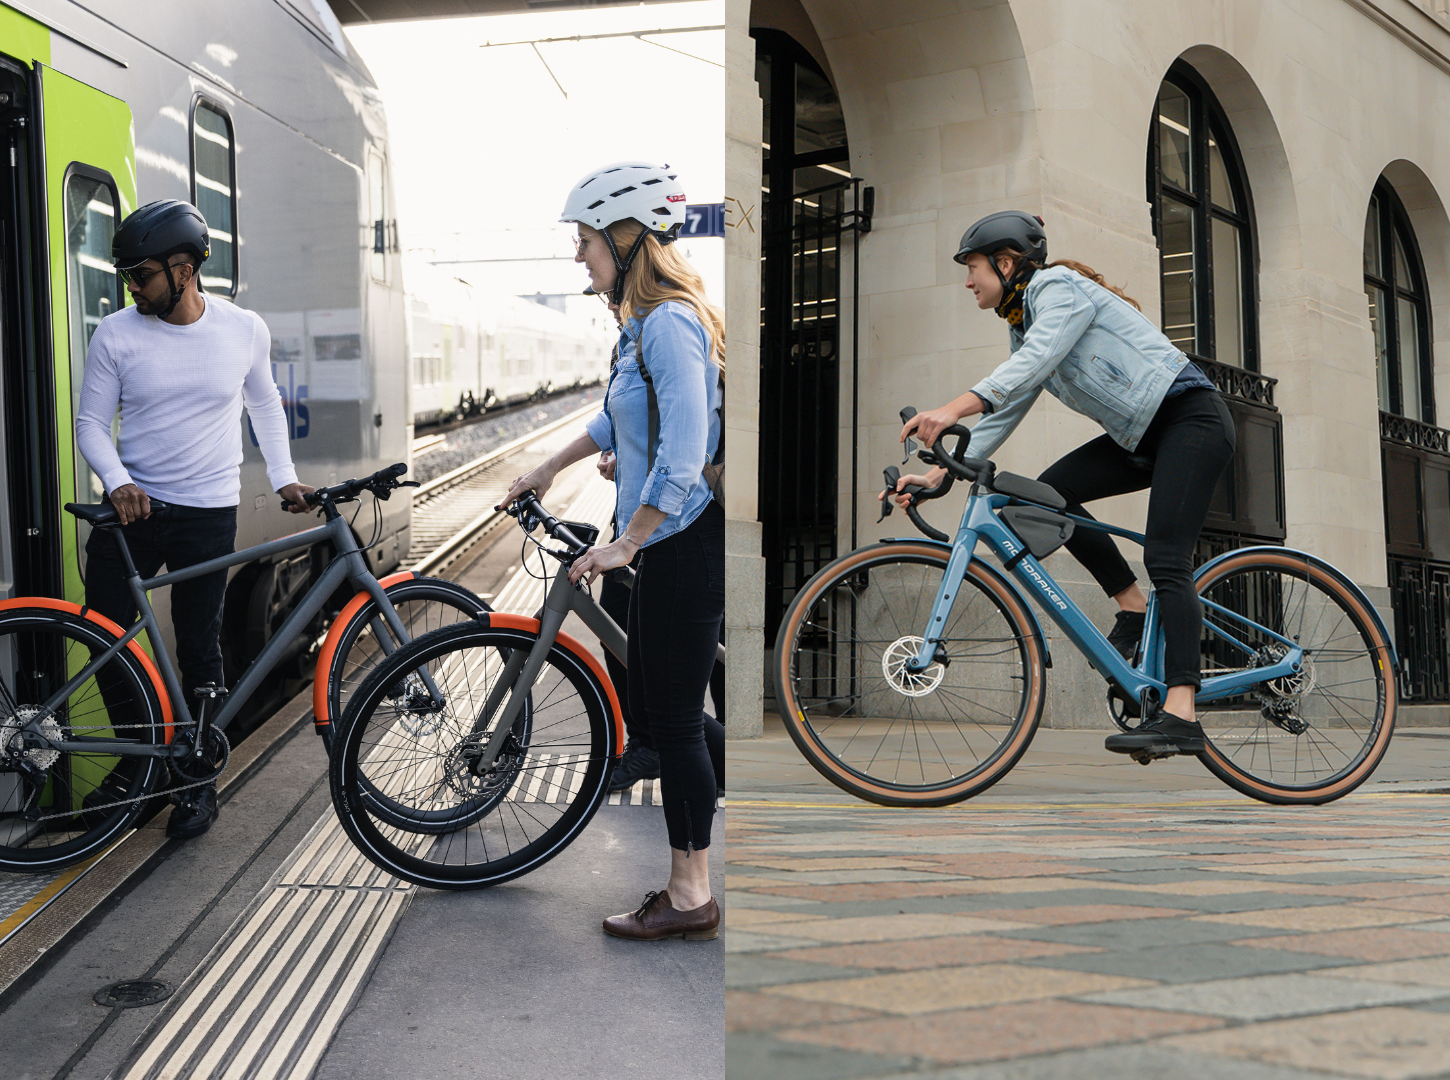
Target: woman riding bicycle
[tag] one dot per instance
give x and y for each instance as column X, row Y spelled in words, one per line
column 1090, row 346
column 628, row 217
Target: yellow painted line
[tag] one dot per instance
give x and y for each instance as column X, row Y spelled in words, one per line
column 40, row 900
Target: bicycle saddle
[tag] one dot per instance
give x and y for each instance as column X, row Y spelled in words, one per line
column 1033, row 491
column 95, row 513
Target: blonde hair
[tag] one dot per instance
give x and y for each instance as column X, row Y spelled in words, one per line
column 1083, row 269
column 660, row 273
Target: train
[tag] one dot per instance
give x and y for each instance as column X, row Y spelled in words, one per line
column 261, row 114
column 472, row 351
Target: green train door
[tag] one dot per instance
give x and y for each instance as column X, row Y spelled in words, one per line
column 90, row 169
column 69, row 151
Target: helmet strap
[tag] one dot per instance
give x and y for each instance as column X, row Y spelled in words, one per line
column 175, row 292
column 621, row 266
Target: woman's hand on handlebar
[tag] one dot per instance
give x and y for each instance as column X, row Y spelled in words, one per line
column 929, row 425
column 902, row 498
column 597, row 560
column 538, row 480
column 295, row 496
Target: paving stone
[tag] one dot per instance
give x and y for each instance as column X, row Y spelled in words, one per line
column 1307, row 919
column 746, row 1011
column 746, row 941
column 752, row 970
column 1430, row 972
column 1191, row 963
column 1131, row 1062
column 1000, row 1032
column 756, row 1057
column 1269, row 997
column 1397, row 943
column 911, row 992
column 930, row 952
column 1129, row 934
column 894, row 927
column 1391, row 1043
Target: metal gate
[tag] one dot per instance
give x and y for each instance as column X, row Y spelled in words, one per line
column 807, row 320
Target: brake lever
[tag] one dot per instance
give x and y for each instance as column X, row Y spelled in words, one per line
column 893, row 477
column 906, row 414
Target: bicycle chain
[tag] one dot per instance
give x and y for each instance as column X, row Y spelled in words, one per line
column 139, row 798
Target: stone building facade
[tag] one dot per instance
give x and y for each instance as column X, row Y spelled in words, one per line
column 1267, row 177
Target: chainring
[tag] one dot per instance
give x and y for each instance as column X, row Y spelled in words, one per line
column 200, row 768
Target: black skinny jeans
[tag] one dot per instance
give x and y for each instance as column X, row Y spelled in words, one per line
column 1191, row 440
column 675, row 613
column 179, row 536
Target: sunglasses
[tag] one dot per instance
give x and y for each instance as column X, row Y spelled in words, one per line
column 134, row 275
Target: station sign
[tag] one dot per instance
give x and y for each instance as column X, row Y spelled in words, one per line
column 704, row 219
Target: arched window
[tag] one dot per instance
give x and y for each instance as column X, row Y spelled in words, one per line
column 1399, row 309
column 1203, row 219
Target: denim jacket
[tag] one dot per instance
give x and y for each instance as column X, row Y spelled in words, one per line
column 687, row 384
column 1087, row 347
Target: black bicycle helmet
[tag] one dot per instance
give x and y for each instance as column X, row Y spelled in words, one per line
column 159, row 230
column 1023, row 233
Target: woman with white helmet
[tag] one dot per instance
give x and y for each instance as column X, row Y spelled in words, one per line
column 671, row 348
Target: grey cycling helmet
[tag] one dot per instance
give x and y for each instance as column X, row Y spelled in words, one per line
column 1023, row 233
column 158, row 231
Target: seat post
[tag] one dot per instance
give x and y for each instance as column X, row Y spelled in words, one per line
column 120, row 539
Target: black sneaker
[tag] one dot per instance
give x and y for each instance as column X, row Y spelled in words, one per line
column 1127, row 633
column 1163, row 734
column 635, row 764
column 193, row 813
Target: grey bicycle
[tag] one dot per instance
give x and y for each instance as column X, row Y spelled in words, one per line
column 506, row 762
column 92, row 728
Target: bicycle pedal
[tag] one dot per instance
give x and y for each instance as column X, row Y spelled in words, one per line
column 1146, row 757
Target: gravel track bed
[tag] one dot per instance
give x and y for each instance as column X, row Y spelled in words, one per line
column 467, row 443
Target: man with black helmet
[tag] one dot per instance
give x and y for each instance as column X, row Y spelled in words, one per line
column 179, row 366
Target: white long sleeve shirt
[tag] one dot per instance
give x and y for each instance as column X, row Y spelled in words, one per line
column 180, row 390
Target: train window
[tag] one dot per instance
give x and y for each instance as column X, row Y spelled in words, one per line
column 93, row 291
column 379, row 242
column 214, row 191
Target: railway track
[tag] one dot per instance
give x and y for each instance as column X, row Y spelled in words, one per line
column 452, row 511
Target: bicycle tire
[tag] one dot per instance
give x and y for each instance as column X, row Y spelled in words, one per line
column 60, row 643
column 1297, row 741
column 421, row 603
column 559, row 780
column 868, row 590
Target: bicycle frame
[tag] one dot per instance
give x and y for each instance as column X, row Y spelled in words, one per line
column 349, row 566
column 979, row 524
column 520, row 670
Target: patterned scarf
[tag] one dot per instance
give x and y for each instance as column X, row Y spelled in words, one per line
column 1011, row 306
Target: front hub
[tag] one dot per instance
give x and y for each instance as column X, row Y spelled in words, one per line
column 895, row 665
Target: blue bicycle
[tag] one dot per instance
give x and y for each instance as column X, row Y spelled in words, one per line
column 913, row 673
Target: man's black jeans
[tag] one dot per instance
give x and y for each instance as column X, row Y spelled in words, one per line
column 1190, row 440
column 177, row 537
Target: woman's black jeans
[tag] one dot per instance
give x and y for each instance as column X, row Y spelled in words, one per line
column 1191, row 440
column 675, row 613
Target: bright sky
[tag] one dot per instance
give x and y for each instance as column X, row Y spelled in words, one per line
column 485, row 145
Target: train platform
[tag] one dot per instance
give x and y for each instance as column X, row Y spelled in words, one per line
column 1088, row 917
column 284, row 954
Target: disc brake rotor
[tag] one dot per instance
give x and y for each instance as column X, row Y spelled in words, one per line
column 1280, row 699
column 458, row 771
column 904, row 681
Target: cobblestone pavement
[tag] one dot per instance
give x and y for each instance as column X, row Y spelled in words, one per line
column 1149, row 925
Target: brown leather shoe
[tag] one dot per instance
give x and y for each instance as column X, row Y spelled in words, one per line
column 657, row 918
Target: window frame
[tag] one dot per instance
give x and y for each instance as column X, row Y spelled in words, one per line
column 1207, row 119
column 1394, row 220
column 198, row 101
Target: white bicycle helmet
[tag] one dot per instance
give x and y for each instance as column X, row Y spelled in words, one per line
column 650, row 194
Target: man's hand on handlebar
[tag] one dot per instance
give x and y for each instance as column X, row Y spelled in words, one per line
column 294, row 496
column 131, row 503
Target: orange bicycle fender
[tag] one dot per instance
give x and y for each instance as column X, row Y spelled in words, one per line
column 519, row 622
column 147, row 664
column 320, row 717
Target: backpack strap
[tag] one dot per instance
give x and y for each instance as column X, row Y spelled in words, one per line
column 718, row 457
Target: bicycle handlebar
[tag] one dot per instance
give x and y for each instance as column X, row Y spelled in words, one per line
column 956, row 464
column 528, row 503
column 381, row 483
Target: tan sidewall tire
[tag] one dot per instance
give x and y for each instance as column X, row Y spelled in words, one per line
column 1355, row 604
column 825, row 763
